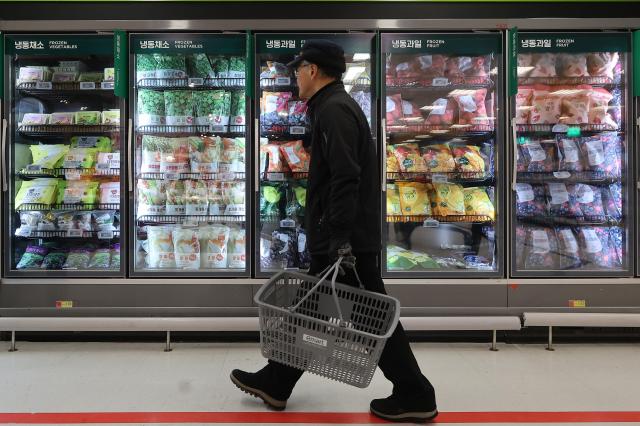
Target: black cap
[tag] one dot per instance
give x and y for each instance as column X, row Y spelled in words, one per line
column 324, row 53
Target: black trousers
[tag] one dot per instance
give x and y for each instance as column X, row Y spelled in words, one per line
column 397, row 362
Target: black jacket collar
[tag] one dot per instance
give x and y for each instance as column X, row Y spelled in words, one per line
column 323, row 93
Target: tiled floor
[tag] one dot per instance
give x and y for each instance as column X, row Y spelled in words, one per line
column 134, row 378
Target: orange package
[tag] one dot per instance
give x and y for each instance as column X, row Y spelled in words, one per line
column 295, row 154
column 409, row 158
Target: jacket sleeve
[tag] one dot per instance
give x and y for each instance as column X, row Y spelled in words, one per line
column 340, row 139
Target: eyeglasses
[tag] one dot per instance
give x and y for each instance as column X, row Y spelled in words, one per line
column 297, row 70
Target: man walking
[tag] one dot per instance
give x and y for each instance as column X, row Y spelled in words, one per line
column 343, row 219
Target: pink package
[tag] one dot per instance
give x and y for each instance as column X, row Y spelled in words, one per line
column 430, row 66
column 575, row 109
column 407, row 70
column 523, row 104
column 467, row 66
column 572, row 65
column 602, row 64
column 410, row 112
column 471, row 108
column 546, row 107
column 524, row 64
column 544, row 65
column 599, row 99
column 394, row 108
column 442, row 112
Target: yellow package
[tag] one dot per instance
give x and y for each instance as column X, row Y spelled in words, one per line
column 393, row 201
column 447, row 199
column 409, row 159
column 438, row 159
column 47, row 156
column 477, row 203
column 414, row 199
column 37, row 191
column 468, row 158
column 392, row 161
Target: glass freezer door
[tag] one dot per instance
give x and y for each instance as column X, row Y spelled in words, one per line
column 572, row 168
column 443, row 147
column 282, row 152
column 63, row 211
column 189, row 109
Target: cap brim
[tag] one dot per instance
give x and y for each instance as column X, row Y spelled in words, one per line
column 297, row 61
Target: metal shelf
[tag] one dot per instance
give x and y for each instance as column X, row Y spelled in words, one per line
column 571, row 177
column 30, row 207
column 41, row 89
column 195, row 176
column 283, row 176
column 552, row 81
column 439, row 130
column 163, row 129
column 438, row 83
column 553, row 128
column 195, row 219
column 593, row 220
column 57, row 130
column 439, row 219
column 62, row 172
column 191, row 83
column 280, row 131
column 71, row 234
column 442, row 177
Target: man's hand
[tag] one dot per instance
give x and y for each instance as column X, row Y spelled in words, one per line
column 342, row 249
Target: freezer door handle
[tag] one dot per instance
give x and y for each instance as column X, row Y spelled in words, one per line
column 514, row 173
column 130, row 155
column 383, row 180
column 256, row 153
column 4, row 155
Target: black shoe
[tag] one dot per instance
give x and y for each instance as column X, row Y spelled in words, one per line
column 398, row 409
column 253, row 384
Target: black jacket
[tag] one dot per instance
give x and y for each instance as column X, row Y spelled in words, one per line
column 343, row 194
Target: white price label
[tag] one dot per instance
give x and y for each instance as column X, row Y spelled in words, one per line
column 540, row 242
column 431, row 223
column 171, row 176
column 217, row 128
column 107, row 85
column 114, row 163
column 287, row 223
column 87, row 85
column 71, row 164
column 275, row 176
column 440, row 81
column 34, row 168
column 561, row 175
column 74, row 233
column 226, row 176
column 73, row 174
column 560, row 128
column 297, row 130
column 102, row 166
column 439, row 178
column 44, row 85
column 105, row 235
column 23, row 231
column 283, row 81
column 196, row 81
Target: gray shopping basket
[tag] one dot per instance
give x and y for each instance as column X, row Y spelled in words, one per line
column 323, row 327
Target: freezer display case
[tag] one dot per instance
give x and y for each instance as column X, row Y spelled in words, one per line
column 572, row 164
column 189, row 114
column 62, row 197
column 443, row 146
column 282, row 141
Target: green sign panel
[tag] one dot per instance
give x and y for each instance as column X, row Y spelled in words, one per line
column 636, row 63
column 460, row 44
column 249, row 66
column 120, row 59
column 223, row 44
column 59, row 45
column 573, row 42
column 513, row 61
column 292, row 43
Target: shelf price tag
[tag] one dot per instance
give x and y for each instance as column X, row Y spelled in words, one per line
column 44, row 85
column 275, row 176
column 196, row 81
column 217, row 128
column 283, row 81
column 114, row 163
column 440, row 82
column 103, row 166
column 439, row 178
column 560, row 128
column 64, row 304
column 74, row 233
column 287, row 223
column 105, row 235
column 172, row 176
column 34, row 168
column 297, row 130
column 23, row 231
column 87, row 85
column 430, row 223
column 72, row 174
column 107, row 85
column 227, row 176
column 562, row 175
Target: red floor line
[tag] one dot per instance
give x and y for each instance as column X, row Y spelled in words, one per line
column 314, row 418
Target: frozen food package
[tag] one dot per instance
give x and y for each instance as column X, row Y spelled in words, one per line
column 575, row 109
column 32, row 257
column 88, row 118
column 409, row 158
column 568, row 249
column 602, row 64
column 411, row 114
column 29, row 220
column 62, row 118
column 61, row 220
column 100, row 259
column 569, row 155
column 146, row 66
column 115, row 256
column 104, row 220
column 468, row 158
column 273, row 70
column 393, row 200
column 152, row 198
column 363, row 99
column 539, row 157
column 47, row 156
column 612, row 199
column 220, row 65
column 92, row 77
column 589, row 199
column 270, row 196
column 199, row 66
column 593, row 151
column 599, row 99
column 477, row 203
column 272, row 159
column 81, row 220
column 612, row 145
column 438, row 158
column 472, row 109
column 274, row 108
column 196, row 198
column 297, row 157
column 237, row 248
column 64, row 77
column 160, row 247
column 176, row 198
column 234, row 198
column 595, row 248
column 78, row 258
column 213, row 107
column 572, row 65
column 296, row 200
column 81, row 192
column 392, row 162
column 407, row 72
column 447, row 199
column 429, row 67
column 215, row 198
column 523, row 104
column 441, row 112
column 151, row 107
column 542, row 249
column 151, row 147
column 174, row 155
column 186, row 248
column 530, row 200
column 204, row 153
column 546, row 107
column 178, row 106
column 521, row 240
column 298, row 113
column 238, row 108
column 304, row 257
column 562, row 202
column 544, row 65
column 214, row 242
column 616, row 240
column 233, row 155
column 33, row 74
column 171, row 65
column 399, row 259
column 284, row 248
column 34, row 119
column 110, row 193
column 394, row 109
column 468, row 67
column 237, row 67
column 37, row 191
column 414, row 198
column 54, row 260
column 80, row 158
column 111, row 117
column 109, row 74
